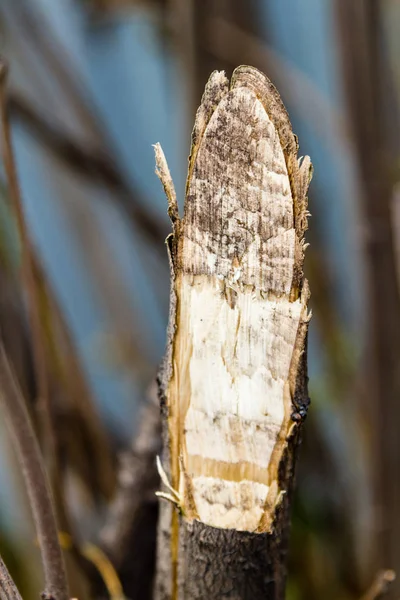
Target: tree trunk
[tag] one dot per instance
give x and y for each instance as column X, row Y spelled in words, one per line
column 234, row 381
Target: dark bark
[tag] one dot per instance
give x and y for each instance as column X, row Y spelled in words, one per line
column 249, row 565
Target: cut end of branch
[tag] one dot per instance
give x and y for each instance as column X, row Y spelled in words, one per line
column 240, row 319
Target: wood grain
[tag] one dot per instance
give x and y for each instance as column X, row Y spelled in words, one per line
column 238, row 318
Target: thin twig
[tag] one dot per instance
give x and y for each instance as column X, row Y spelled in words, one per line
column 36, row 482
column 380, row 585
column 27, row 275
column 8, row 589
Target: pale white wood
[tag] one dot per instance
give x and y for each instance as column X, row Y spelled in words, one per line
column 237, row 259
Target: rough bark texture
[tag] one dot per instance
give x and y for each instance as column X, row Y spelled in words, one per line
column 8, row 589
column 234, row 382
column 247, row 569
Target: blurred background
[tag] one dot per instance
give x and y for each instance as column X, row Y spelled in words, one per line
column 92, row 85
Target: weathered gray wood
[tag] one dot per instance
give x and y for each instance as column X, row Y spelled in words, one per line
column 234, row 382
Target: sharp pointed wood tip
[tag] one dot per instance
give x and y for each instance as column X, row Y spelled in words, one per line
column 217, row 79
column 161, row 162
column 157, row 150
column 164, row 175
column 218, row 75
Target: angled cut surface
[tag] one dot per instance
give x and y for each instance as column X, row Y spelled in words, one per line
column 240, row 303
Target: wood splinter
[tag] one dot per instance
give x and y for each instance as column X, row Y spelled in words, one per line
column 234, row 381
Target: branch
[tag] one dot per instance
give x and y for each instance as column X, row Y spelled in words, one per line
column 234, row 380
column 8, row 589
column 137, row 483
column 128, row 536
column 27, row 277
column 28, row 451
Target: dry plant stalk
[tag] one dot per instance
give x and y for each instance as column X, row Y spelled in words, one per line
column 234, row 381
column 27, row 278
column 26, row 445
